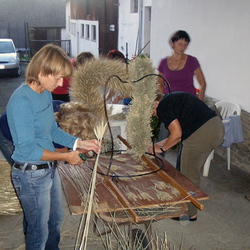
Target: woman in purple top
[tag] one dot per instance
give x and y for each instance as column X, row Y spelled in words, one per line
column 180, row 68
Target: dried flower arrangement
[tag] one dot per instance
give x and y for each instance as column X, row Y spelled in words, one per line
column 139, row 131
column 88, row 87
column 89, row 81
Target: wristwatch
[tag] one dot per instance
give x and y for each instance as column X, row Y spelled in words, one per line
column 162, row 150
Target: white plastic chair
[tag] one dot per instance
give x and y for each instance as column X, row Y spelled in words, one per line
column 226, row 109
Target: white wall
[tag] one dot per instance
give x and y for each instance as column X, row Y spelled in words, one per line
column 80, row 41
column 220, row 34
column 128, row 29
column 68, row 16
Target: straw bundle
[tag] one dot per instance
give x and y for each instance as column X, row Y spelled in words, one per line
column 99, row 132
column 9, row 203
column 139, row 115
column 89, row 81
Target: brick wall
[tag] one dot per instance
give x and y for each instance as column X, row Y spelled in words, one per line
column 240, row 156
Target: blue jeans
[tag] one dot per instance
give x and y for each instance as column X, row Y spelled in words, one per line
column 40, row 194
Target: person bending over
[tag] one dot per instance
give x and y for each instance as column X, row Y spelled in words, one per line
column 191, row 122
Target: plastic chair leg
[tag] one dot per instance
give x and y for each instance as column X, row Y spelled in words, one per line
column 207, row 164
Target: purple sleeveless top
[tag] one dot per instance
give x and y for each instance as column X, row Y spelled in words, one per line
column 180, row 80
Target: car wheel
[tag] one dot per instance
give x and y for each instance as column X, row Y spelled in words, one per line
column 19, row 71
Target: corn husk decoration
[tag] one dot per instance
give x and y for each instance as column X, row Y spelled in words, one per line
column 89, row 80
column 139, row 115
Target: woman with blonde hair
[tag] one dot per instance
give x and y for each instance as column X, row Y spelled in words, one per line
column 33, row 129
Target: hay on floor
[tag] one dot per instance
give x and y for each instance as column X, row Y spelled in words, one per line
column 9, row 203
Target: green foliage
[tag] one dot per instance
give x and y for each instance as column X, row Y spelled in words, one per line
column 155, row 125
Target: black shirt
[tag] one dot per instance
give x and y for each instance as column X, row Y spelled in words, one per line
column 190, row 111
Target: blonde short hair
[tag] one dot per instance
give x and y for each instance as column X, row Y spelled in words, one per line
column 49, row 60
column 77, row 119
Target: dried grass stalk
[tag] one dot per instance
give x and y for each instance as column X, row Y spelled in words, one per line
column 99, row 133
column 88, row 82
column 130, row 195
column 139, row 115
column 162, row 195
column 80, row 182
column 161, row 184
column 142, row 194
column 138, row 167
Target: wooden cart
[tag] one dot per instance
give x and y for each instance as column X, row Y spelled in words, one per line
column 134, row 192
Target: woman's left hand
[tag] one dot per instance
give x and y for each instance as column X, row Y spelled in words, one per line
column 89, row 145
column 157, row 149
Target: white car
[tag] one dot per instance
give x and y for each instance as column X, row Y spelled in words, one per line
column 9, row 58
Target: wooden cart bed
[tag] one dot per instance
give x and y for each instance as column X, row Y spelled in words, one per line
column 140, row 197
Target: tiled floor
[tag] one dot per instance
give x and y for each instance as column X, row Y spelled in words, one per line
column 224, row 224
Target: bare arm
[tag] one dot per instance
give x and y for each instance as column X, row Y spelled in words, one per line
column 201, row 80
column 70, row 157
column 62, row 150
column 73, row 156
column 174, row 138
column 161, row 84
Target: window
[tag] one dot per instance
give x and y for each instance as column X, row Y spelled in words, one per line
column 134, row 6
column 93, row 32
column 82, row 29
column 87, row 32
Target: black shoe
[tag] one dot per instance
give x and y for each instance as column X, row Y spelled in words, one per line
column 184, row 217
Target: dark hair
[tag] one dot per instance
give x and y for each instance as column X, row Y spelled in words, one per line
column 116, row 54
column 159, row 97
column 178, row 35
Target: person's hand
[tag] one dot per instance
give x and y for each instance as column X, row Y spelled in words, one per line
column 157, row 149
column 89, row 154
column 89, row 145
column 150, row 150
column 82, row 151
column 74, row 158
